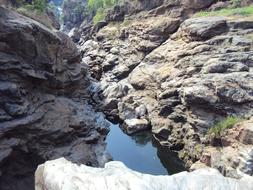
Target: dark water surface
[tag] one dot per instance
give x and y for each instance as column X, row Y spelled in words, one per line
column 141, row 152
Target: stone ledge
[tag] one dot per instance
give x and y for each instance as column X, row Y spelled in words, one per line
column 61, row 174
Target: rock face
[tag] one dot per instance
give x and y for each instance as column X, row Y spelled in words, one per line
column 73, row 13
column 235, row 156
column 184, row 74
column 44, row 109
column 63, row 175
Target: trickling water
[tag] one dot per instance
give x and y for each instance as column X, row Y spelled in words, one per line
column 141, row 152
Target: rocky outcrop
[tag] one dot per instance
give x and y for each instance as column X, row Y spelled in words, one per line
column 201, row 65
column 44, row 102
column 6, row 3
column 73, row 13
column 139, row 11
column 234, row 157
column 63, row 175
column 180, row 75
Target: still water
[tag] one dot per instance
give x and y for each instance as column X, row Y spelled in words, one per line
column 141, row 152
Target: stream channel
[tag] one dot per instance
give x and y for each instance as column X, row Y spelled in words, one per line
column 142, row 153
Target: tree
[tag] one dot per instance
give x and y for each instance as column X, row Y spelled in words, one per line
column 39, row 5
column 99, row 7
column 95, row 4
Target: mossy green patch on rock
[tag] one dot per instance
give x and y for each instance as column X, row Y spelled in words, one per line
column 36, row 15
column 100, row 15
column 241, row 11
column 38, row 5
column 250, row 36
column 227, row 123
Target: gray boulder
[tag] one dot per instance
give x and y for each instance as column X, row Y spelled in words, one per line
column 63, row 175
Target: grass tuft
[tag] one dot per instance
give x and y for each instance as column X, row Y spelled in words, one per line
column 227, row 123
column 241, row 11
column 100, row 16
column 250, row 36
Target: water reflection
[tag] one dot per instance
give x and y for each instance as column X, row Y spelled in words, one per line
column 141, row 152
column 168, row 158
column 141, row 139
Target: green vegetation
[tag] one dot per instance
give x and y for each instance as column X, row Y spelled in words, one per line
column 35, row 5
column 198, row 148
column 227, row 123
column 96, row 4
column 126, row 22
column 100, row 15
column 250, row 36
column 241, row 11
column 99, row 7
column 236, row 3
column 35, row 10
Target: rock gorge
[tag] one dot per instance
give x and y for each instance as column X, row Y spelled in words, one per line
column 166, row 69
column 149, row 65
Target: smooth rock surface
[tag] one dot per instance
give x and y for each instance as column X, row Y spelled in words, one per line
column 61, row 174
column 135, row 125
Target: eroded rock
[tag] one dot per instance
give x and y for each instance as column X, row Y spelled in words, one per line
column 234, row 157
column 44, row 95
column 135, row 125
column 188, row 72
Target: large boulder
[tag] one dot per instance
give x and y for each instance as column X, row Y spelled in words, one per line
column 63, row 175
column 135, row 125
column 197, row 4
column 203, row 28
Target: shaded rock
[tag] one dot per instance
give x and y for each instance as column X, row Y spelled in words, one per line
column 203, row 28
column 223, row 67
column 135, row 6
column 44, row 95
column 246, row 134
column 73, row 13
column 220, row 5
column 115, row 14
column 197, row 4
column 55, row 21
column 74, row 35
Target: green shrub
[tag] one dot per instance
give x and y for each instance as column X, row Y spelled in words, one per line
column 94, row 5
column 236, row 3
column 38, row 5
column 227, row 123
column 100, row 15
column 250, row 36
column 36, row 15
column 99, row 7
column 241, row 11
